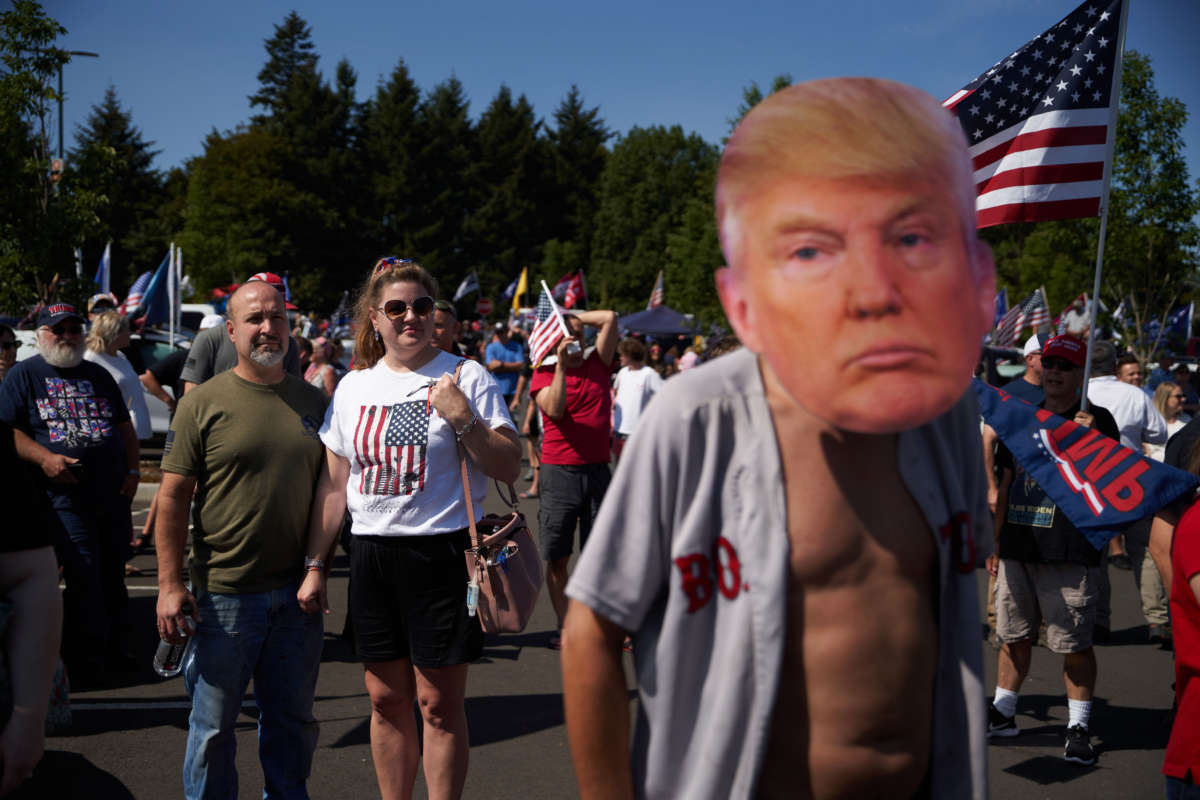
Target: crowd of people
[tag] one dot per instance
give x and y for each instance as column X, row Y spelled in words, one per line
column 788, row 544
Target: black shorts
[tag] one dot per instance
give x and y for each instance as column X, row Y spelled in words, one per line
column 408, row 599
column 570, row 495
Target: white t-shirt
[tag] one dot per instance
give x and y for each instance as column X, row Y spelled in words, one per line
column 131, row 389
column 634, row 387
column 404, row 475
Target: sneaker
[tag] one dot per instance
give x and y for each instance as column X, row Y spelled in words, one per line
column 1079, row 746
column 1000, row 725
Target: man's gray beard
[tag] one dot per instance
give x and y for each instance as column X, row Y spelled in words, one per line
column 61, row 355
column 266, row 358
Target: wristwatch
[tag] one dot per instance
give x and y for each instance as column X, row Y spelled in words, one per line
column 458, row 435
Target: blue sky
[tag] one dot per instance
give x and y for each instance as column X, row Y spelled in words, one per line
column 183, row 69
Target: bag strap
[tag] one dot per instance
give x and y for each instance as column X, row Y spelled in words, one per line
column 466, row 481
column 510, row 500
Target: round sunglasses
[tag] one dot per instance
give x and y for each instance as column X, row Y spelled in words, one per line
column 394, row 309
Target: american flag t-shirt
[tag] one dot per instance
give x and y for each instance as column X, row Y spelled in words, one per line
column 390, row 447
column 1038, row 122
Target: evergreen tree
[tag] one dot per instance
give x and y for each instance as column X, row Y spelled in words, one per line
column 290, row 59
column 510, row 179
column 577, row 144
column 442, row 194
column 113, row 159
column 390, row 144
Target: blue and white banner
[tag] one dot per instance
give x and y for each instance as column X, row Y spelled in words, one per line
column 1102, row 486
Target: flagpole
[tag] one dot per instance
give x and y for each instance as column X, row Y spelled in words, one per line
column 171, row 294
column 1114, row 113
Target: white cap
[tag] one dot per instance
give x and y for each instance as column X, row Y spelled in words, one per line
column 211, row 321
column 1033, row 344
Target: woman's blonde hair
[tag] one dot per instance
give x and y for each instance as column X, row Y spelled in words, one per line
column 1162, row 394
column 104, row 330
column 368, row 347
column 843, row 128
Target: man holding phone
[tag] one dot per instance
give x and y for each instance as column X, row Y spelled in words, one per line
column 71, row 423
column 575, row 397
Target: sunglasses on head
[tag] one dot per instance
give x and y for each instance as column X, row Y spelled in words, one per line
column 64, row 327
column 390, row 261
column 394, row 309
column 1060, row 364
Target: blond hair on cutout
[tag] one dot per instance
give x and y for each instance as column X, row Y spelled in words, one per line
column 104, row 330
column 368, row 348
column 839, row 128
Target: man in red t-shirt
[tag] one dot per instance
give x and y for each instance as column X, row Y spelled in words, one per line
column 575, row 397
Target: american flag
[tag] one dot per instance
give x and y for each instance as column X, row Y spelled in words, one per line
column 1029, row 313
column 656, row 294
column 390, row 444
column 1038, row 121
column 135, row 293
column 547, row 331
column 576, row 291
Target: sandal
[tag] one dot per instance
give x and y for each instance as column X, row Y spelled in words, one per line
column 529, row 495
column 132, row 572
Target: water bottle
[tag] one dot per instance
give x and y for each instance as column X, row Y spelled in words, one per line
column 168, row 658
column 472, row 597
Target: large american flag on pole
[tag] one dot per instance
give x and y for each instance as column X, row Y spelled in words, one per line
column 135, row 293
column 1038, row 123
column 390, row 446
column 547, row 331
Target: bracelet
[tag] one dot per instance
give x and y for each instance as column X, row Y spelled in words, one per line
column 458, row 435
column 313, row 563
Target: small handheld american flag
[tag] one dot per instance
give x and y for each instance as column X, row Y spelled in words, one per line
column 548, row 330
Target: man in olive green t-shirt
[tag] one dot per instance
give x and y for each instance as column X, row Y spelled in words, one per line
column 245, row 442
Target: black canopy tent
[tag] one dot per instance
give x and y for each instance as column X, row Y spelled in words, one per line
column 658, row 321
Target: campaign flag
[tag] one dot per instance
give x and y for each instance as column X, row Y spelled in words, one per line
column 155, row 301
column 656, row 294
column 576, row 291
column 521, row 289
column 559, row 292
column 134, row 299
column 1038, row 122
column 1179, row 322
column 390, row 448
column 1101, row 485
column 508, row 292
column 103, row 272
column 548, row 329
column 287, row 290
column 1000, row 306
column 469, row 284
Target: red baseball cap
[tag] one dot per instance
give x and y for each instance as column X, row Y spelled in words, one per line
column 267, row 277
column 1066, row 346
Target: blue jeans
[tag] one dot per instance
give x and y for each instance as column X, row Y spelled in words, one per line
column 265, row 636
column 1181, row 790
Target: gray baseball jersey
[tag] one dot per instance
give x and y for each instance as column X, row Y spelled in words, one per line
column 690, row 553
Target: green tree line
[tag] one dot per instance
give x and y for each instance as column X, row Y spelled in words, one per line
column 324, row 178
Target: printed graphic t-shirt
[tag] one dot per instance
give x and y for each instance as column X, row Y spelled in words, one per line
column 73, row 411
column 404, row 475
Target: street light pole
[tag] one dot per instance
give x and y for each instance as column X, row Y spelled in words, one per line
column 60, row 97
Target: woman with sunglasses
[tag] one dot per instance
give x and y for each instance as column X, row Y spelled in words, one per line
column 392, row 436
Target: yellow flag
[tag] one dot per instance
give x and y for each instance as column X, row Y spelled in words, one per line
column 520, row 292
